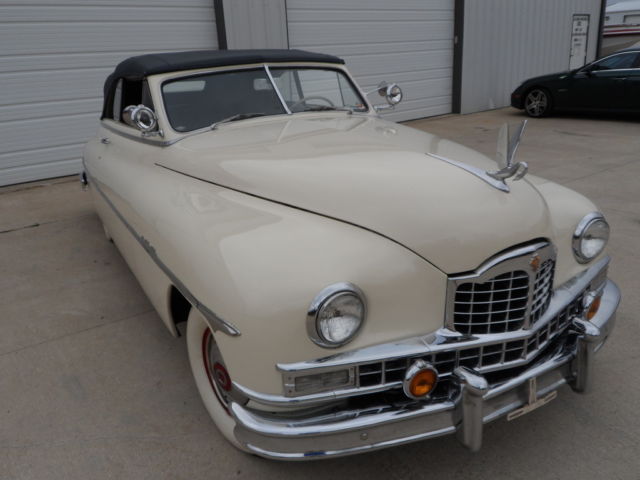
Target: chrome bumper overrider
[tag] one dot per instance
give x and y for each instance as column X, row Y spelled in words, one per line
column 477, row 403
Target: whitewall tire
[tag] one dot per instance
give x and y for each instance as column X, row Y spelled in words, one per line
column 210, row 374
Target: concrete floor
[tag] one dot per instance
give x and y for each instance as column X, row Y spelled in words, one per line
column 92, row 386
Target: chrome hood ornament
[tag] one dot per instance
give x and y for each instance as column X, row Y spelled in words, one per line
column 507, row 147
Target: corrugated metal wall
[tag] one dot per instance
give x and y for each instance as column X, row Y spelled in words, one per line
column 508, row 41
column 255, row 23
column 405, row 41
column 54, row 57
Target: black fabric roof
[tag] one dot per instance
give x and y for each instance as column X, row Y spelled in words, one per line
column 137, row 68
column 141, row 66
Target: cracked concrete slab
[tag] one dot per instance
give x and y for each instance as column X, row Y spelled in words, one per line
column 93, row 386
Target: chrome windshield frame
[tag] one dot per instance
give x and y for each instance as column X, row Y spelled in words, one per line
column 277, row 90
column 261, row 66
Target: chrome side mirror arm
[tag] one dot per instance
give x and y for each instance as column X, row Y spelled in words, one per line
column 382, row 107
column 392, row 94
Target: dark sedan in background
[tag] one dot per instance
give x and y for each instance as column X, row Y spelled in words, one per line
column 609, row 84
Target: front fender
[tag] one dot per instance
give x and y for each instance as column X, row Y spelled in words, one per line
column 566, row 208
column 259, row 264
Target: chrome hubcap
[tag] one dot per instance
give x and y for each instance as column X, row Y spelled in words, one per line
column 536, row 103
column 216, row 369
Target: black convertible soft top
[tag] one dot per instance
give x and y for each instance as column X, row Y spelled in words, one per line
column 137, row 68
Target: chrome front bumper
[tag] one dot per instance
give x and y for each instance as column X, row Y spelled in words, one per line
column 477, row 403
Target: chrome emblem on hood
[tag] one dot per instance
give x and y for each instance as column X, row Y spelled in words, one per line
column 507, row 146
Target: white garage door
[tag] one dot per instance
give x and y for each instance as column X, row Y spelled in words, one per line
column 54, row 57
column 409, row 42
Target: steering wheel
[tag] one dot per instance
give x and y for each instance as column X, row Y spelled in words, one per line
column 312, row 97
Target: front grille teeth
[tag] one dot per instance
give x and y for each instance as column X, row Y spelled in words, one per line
column 542, row 290
column 496, row 306
column 511, row 294
column 489, row 357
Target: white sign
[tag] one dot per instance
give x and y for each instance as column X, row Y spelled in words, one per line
column 579, row 38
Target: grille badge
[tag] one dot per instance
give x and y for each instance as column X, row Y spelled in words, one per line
column 534, row 263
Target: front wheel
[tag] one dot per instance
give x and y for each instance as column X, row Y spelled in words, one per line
column 537, row 103
column 210, row 374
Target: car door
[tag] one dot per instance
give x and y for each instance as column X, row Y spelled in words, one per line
column 632, row 88
column 601, row 85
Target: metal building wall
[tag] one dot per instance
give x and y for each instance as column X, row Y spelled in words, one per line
column 255, row 24
column 54, row 58
column 405, row 41
column 508, row 41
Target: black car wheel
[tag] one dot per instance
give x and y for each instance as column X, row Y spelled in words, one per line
column 537, row 103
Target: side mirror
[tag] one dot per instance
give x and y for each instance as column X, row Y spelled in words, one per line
column 584, row 72
column 141, row 117
column 392, row 94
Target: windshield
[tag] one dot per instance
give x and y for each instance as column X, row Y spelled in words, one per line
column 203, row 101
column 310, row 89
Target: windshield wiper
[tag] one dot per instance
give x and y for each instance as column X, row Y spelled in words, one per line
column 323, row 108
column 237, row 116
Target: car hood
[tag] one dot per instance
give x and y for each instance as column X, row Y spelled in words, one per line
column 548, row 78
column 374, row 174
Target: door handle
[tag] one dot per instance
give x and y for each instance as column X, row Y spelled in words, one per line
column 105, row 140
column 619, row 78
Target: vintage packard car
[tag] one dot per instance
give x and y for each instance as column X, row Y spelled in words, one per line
column 347, row 283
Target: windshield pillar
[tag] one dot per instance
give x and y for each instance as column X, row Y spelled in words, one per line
column 275, row 87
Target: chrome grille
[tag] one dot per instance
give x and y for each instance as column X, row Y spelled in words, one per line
column 510, row 291
column 542, row 289
column 485, row 358
column 496, row 306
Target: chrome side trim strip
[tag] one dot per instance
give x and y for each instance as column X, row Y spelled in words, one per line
column 214, row 321
column 307, row 400
column 148, row 141
column 478, row 172
column 131, row 136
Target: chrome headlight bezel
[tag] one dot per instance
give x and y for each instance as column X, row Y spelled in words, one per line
column 587, row 222
column 321, row 301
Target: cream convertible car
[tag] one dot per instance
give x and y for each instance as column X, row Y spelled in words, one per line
column 347, row 283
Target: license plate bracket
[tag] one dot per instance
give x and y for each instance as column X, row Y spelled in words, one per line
column 534, row 402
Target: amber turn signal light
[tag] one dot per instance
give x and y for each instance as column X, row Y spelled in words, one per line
column 420, row 380
column 593, row 308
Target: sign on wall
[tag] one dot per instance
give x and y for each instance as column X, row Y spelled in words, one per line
column 579, row 37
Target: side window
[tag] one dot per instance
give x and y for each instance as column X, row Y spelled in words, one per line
column 117, row 102
column 322, row 83
column 289, row 85
column 617, row 62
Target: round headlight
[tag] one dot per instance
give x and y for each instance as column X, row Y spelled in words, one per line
column 590, row 237
column 336, row 315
